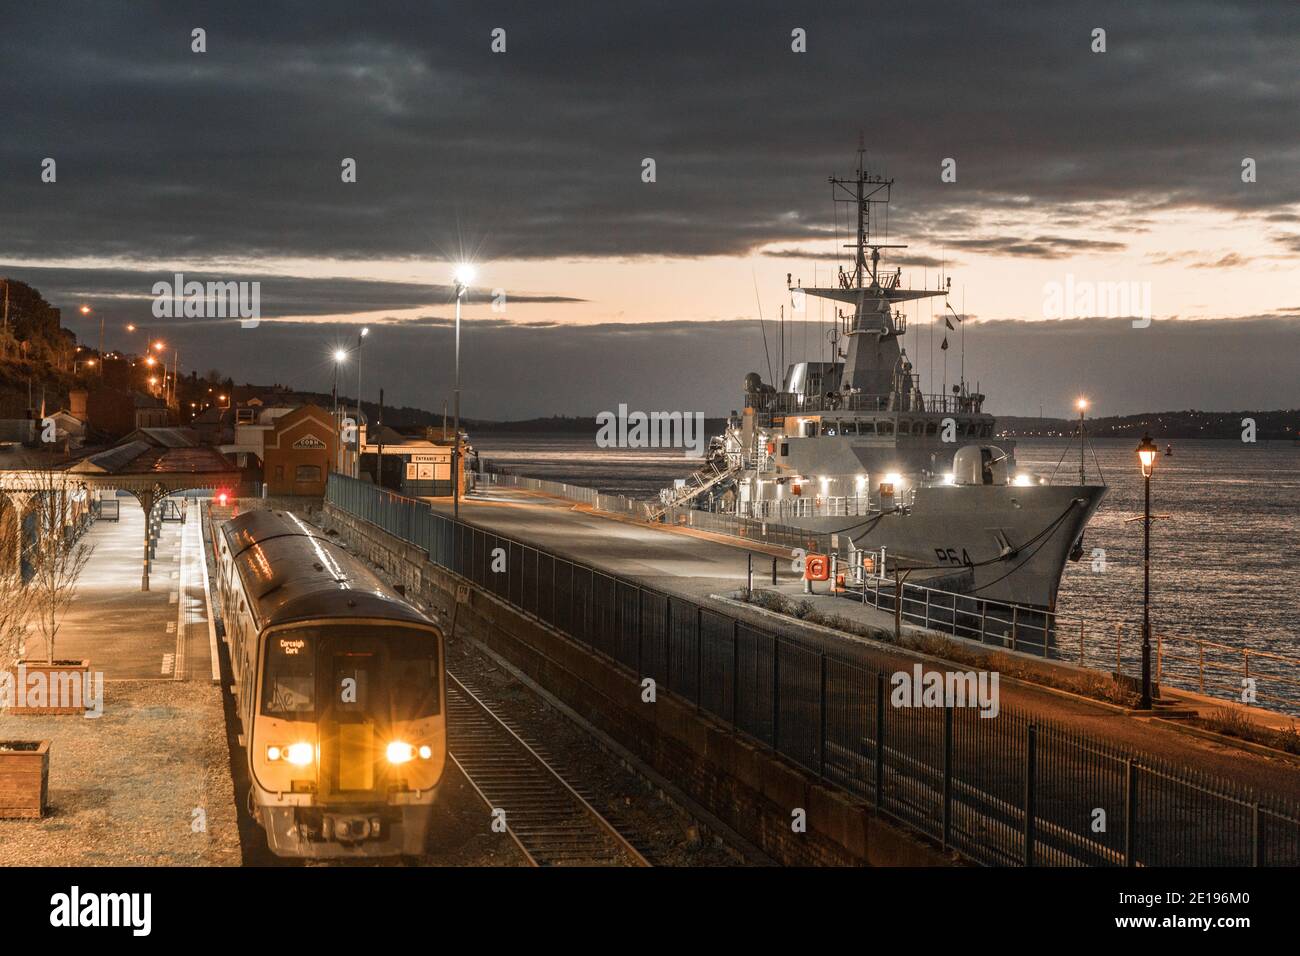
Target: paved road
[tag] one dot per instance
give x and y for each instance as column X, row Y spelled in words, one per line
column 129, row 634
column 696, row 567
column 686, row 563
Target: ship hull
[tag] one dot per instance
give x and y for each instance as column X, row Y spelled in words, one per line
column 1010, row 542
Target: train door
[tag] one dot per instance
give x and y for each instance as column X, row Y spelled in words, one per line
column 350, row 741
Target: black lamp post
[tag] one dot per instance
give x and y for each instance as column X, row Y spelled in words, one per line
column 1147, row 452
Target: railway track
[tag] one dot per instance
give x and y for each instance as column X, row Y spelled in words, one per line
column 550, row 822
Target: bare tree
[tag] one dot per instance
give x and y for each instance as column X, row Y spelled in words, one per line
column 57, row 554
column 16, row 599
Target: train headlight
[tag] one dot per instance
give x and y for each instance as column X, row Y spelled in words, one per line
column 426, row 752
column 274, row 753
column 300, row 754
column 399, row 752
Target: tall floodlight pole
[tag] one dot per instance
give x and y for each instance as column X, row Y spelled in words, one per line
column 1147, row 452
column 464, row 276
column 357, row 423
column 339, row 356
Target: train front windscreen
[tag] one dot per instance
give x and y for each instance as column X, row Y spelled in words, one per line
column 387, row 673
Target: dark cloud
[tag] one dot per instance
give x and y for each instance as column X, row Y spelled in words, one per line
column 537, row 152
column 1042, row 247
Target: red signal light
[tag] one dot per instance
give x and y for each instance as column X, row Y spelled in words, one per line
column 222, row 498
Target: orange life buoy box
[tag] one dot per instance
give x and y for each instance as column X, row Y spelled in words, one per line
column 816, row 567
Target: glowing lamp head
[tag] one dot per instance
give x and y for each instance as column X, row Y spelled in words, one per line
column 365, row 331
column 464, row 274
column 1024, row 481
column 1081, row 404
column 1147, row 452
column 130, row 326
column 340, row 355
column 894, row 478
column 160, row 345
column 399, row 752
column 300, row 754
column 85, row 310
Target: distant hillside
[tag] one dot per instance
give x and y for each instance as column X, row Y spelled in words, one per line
column 1283, row 424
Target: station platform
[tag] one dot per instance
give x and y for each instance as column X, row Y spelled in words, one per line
column 129, row 634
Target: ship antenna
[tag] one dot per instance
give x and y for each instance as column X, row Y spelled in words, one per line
column 768, row 355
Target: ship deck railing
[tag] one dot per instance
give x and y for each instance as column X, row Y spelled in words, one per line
column 790, row 403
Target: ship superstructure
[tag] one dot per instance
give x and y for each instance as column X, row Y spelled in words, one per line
column 854, row 447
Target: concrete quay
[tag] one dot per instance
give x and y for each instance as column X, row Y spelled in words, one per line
column 708, row 568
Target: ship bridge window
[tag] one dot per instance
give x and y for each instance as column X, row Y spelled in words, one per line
column 972, row 430
column 848, row 428
column 932, row 428
column 885, row 428
column 986, row 431
column 918, row 428
column 904, row 428
column 867, row 428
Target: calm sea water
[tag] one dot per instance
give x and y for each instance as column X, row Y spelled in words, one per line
column 1224, row 561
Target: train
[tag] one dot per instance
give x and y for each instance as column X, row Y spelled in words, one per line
column 340, row 692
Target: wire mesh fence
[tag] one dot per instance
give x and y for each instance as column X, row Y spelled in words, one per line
column 1009, row 789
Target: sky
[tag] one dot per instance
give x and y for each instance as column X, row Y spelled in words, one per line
column 1074, row 169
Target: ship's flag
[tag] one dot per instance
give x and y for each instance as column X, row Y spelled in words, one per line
column 948, row 322
column 954, row 313
column 944, row 344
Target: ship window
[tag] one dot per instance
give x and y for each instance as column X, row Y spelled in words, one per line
column 904, row 427
column 986, row 431
column 848, row 428
column 867, row 428
column 810, row 430
column 918, row 428
column 785, row 448
column 932, row 428
column 886, row 428
column 972, row 429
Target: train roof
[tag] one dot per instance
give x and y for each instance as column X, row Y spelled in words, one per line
column 293, row 572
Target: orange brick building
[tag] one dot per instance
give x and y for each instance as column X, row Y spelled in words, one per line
column 299, row 452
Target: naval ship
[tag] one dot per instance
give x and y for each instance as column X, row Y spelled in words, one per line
column 854, row 448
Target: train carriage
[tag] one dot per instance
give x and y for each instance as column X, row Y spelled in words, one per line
column 339, row 690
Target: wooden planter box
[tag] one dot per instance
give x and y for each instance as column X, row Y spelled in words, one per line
column 60, row 674
column 24, row 778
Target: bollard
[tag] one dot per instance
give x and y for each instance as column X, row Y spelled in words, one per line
column 749, row 572
column 774, row 571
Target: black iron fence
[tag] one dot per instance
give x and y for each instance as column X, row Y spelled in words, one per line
column 1008, row 789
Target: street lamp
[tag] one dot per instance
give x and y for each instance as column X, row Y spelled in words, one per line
column 1147, row 452
column 1082, row 406
column 463, row 275
column 340, row 356
column 357, row 422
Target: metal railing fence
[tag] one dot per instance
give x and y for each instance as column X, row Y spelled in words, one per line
column 1005, row 790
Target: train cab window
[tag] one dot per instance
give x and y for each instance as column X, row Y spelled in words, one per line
column 289, row 684
column 413, row 676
